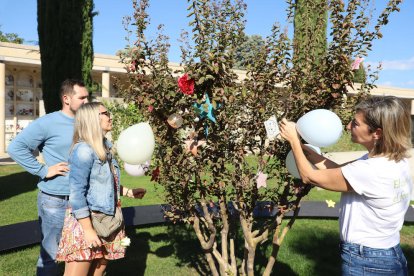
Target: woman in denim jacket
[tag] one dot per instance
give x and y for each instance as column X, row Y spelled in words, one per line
column 94, row 187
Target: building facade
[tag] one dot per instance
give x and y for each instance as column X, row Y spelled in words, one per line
column 21, row 86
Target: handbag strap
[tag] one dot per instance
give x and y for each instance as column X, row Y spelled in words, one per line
column 114, row 177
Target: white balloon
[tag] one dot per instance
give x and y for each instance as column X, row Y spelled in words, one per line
column 136, row 144
column 291, row 163
column 320, row 127
column 136, row 170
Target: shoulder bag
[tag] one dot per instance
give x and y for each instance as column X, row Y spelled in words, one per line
column 105, row 225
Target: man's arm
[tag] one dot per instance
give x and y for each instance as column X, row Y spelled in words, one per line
column 24, row 144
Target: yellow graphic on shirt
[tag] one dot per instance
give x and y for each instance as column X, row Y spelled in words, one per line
column 400, row 190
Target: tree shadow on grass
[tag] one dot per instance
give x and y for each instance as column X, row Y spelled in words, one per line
column 322, row 248
column 188, row 251
column 409, row 255
column 261, row 259
column 318, row 245
column 173, row 243
column 262, row 254
column 17, row 183
column 135, row 260
column 407, row 246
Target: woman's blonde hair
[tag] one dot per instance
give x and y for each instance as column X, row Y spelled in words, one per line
column 88, row 128
column 393, row 117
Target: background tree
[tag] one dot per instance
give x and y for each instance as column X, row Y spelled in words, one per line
column 247, row 50
column 360, row 75
column 65, row 42
column 10, row 37
column 310, row 25
column 219, row 169
column 87, row 53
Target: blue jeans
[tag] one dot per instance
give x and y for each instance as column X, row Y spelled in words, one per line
column 362, row 260
column 51, row 211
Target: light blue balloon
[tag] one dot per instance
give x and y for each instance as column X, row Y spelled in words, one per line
column 291, row 163
column 320, row 127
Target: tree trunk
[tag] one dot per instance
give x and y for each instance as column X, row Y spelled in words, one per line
column 273, row 257
column 229, row 266
column 211, row 264
column 250, row 261
column 249, row 245
column 233, row 258
column 277, row 240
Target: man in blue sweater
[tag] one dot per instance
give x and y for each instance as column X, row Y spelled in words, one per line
column 52, row 134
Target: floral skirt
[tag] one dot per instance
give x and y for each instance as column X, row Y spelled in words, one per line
column 73, row 247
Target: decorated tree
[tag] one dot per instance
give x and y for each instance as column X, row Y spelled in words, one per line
column 220, row 165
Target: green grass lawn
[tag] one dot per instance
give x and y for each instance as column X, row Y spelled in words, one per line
column 310, row 248
column 344, row 144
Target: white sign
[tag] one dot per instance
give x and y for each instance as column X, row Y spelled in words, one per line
column 272, row 128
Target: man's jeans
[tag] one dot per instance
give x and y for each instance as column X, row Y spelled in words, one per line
column 51, row 211
column 362, row 260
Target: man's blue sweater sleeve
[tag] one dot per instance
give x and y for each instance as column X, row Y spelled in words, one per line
column 21, row 148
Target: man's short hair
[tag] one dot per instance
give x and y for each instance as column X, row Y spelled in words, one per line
column 67, row 87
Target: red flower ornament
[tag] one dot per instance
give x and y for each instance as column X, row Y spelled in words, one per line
column 186, row 85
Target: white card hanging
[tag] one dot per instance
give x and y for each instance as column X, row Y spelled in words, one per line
column 272, row 128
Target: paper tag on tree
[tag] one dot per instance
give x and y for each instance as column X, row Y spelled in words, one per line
column 272, row 128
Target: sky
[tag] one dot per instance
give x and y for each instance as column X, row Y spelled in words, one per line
column 395, row 50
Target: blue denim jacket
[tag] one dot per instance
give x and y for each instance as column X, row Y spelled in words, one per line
column 91, row 182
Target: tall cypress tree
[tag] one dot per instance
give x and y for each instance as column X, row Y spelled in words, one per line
column 61, row 28
column 310, row 24
column 87, row 43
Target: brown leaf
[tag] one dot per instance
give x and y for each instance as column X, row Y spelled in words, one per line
column 336, row 86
